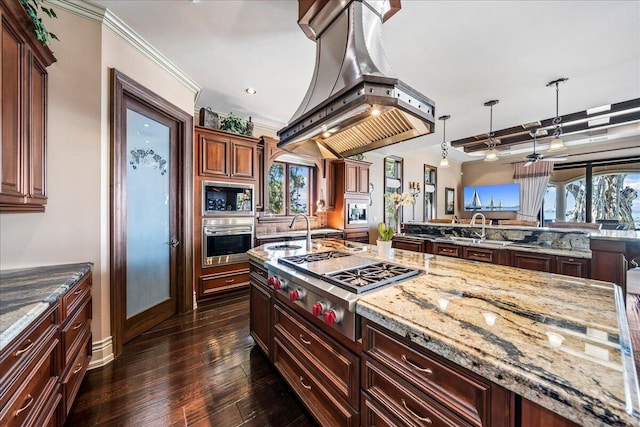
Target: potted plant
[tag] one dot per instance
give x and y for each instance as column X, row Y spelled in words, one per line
column 385, row 234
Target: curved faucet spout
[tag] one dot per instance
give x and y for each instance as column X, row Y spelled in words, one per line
column 473, row 222
column 293, row 222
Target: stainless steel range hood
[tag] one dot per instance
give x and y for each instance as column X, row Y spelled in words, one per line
column 354, row 103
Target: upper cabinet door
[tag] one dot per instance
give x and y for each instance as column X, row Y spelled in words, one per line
column 243, row 160
column 214, row 154
column 351, row 177
column 23, row 113
column 363, row 181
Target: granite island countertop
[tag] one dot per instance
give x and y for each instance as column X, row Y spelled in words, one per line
column 26, row 293
column 559, row 341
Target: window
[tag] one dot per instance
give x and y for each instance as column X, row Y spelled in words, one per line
column 549, row 204
column 392, row 182
column 289, row 189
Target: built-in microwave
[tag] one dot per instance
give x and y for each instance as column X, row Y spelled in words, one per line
column 227, row 199
column 357, row 212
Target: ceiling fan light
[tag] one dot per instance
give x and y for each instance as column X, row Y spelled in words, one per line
column 492, row 155
column 444, row 163
column 556, row 145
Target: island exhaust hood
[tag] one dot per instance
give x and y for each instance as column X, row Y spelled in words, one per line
column 353, row 104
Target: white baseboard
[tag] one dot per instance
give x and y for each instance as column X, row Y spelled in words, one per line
column 102, row 353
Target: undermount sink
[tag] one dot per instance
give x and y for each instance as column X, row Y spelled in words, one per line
column 283, row 246
column 474, row 240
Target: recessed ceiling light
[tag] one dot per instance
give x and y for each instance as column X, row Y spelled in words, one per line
column 146, row 125
column 375, row 112
column 250, row 91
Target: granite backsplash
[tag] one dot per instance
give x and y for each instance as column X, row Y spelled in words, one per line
column 559, row 239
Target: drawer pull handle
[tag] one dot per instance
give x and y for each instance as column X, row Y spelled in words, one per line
column 416, row 367
column 304, row 341
column 308, row 387
column 24, row 350
column 425, row 419
column 25, row 406
column 78, row 368
column 79, row 325
column 229, row 281
column 78, row 292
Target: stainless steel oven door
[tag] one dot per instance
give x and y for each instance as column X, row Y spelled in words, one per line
column 226, row 240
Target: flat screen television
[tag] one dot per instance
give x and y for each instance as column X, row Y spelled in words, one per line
column 492, row 198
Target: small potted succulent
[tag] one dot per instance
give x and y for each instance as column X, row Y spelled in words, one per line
column 384, row 239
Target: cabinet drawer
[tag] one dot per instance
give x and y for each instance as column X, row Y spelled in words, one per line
column 34, row 388
column 448, row 250
column 74, row 296
column 220, row 283
column 481, row 254
column 373, row 414
column 75, row 372
column 339, row 368
column 73, row 330
column 408, row 404
column 321, row 402
column 16, row 356
column 461, row 393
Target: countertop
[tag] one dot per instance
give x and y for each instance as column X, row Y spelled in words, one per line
column 559, row 341
column 297, row 233
column 27, row 292
column 627, row 235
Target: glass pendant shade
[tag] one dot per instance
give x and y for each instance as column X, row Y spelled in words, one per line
column 492, row 155
column 444, row 163
column 556, row 145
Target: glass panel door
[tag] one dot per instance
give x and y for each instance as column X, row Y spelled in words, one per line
column 148, row 213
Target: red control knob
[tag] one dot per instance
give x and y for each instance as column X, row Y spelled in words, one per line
column 330, row 317
column 294, row 295
column 274, row 282
column 317, row 309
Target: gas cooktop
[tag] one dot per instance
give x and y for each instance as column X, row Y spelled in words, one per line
column 350, row 272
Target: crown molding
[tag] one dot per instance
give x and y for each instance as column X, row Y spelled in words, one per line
column 125, row 32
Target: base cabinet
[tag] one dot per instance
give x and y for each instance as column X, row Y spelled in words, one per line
column 261, row 306
column 42, row 368
column 223, row 278
column 408, row 244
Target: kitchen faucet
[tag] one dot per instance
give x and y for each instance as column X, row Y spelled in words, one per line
column 293, row 222
column 473, row 222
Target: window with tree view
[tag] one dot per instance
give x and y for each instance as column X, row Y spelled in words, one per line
column 289, row 189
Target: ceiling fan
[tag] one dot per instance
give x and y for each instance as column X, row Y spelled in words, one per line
column 536, row 157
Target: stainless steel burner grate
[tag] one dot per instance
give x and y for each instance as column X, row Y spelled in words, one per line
column 365, row 278
column 319, row 256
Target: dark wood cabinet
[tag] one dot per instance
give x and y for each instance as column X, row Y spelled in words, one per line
column 447, row 249
column 42, row 368
column 350, row 185
column 417, row 385
column 533, row 261
column 261, row 306
column 225, row 155
column 322, row 372
column 223, row 278
column 494, row 256
column 408, row 244
column 577, row 267
column 24, row 113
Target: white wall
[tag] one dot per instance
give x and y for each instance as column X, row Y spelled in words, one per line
column 75, row 226
column 414, row 162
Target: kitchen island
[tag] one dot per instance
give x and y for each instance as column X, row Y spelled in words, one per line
column 559, row 342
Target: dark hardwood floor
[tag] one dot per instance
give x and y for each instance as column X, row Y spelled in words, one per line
column 198, row 369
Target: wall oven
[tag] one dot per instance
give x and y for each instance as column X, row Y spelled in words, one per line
column 226, row 240
column 227, row 199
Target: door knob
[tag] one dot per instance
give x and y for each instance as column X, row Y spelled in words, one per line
column 174, row 242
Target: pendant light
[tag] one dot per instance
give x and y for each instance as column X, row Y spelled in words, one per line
column 492, row 154
column 556, row 143
column 444, row 162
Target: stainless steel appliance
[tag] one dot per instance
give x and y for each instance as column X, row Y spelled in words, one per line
column 357, row 213
column 328, row 284
column 227, row 199
column 226, row 240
